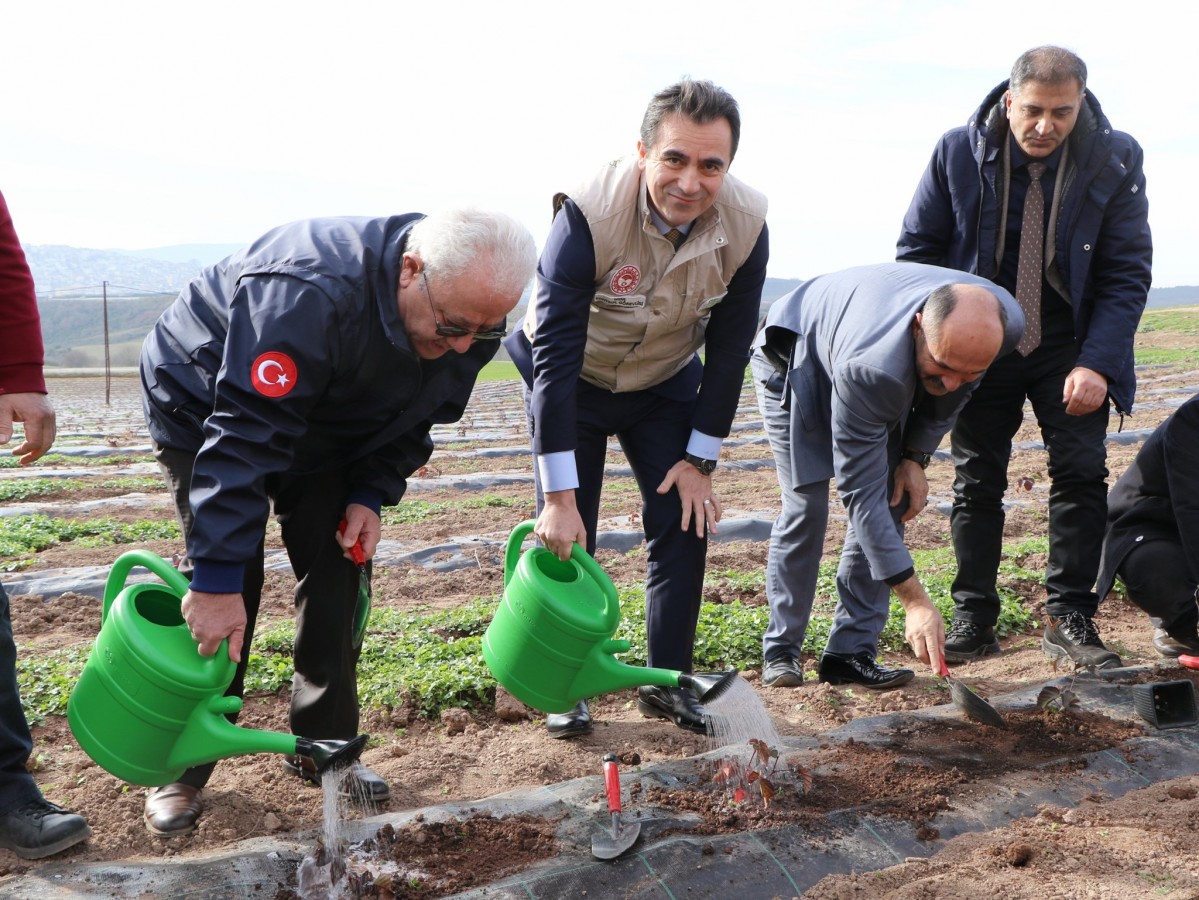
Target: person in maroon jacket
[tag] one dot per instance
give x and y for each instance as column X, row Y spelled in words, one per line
column 30, row 825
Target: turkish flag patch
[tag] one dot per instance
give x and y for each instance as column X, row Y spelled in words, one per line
column 273, row 374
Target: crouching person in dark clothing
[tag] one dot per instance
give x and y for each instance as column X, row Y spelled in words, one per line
column 1152, row 539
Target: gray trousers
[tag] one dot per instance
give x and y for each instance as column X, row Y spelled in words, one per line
column 797, row 543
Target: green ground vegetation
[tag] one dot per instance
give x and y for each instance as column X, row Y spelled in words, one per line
column 33, row 488
column 20, row 535
column 431, row 660
column 411, row 511
column 1169, row 320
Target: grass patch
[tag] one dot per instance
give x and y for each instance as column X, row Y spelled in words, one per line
column 412, row 511
column 433, row 660
column 32, row 488
column 29, row 534
column 499, row 370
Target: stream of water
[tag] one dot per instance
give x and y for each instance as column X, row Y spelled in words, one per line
column 322, row 874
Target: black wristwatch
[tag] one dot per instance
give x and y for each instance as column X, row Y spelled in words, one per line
column 705, row 466
column 919, row 457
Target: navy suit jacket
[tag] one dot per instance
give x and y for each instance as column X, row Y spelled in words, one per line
column 855, row 395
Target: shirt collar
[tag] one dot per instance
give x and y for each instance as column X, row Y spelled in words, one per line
column 1020, row 159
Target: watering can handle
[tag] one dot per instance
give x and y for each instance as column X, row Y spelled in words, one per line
column 152, row 561
column 577, row 553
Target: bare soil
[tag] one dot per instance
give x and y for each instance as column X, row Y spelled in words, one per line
column 1140, row 845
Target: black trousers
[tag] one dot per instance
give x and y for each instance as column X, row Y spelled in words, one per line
column 982, row 447
column 324, row 693
column 17, row 786
column 653, row 432
column 1158, row 580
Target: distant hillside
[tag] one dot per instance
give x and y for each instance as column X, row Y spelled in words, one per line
column 142, row 283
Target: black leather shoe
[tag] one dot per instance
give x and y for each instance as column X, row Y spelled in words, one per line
column 861, row 669
column 40, row 828
column 172, row 809
column 1173, row 647
column 360, row 783
column 676, row 704
column 569, row 724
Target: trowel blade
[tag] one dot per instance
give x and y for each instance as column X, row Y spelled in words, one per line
column 610, row 846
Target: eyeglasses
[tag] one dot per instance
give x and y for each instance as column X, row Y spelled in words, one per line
column 455, row 331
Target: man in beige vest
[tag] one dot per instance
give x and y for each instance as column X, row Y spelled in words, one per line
column 653, row 257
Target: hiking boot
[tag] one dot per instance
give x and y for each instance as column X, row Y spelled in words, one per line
column 969, row 640
column 783, row 670
column 1075, row 637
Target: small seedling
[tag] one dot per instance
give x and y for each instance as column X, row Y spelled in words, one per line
column 1056, row 699
column 760, row 770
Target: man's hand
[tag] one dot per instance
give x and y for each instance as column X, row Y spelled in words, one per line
column 361, row 522
column 924, row 629
column 37, row 414
column 1084, row 391
column 911, row 480
column 214, row 617
column 695, row 494
column 560, row 527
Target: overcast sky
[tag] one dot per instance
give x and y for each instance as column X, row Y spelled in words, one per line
column 133, row 125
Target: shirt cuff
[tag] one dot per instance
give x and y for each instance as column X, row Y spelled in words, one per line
column 704, row 445
column 558, row 471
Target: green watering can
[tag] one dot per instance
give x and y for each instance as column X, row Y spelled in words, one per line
column 550, row 642
column 148, row 706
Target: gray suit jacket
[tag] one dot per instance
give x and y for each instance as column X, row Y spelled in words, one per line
column 855, row 396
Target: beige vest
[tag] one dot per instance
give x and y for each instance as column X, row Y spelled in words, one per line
column 652, row 304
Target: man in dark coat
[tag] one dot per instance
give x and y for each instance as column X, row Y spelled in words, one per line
column 302, row 376
column 1152, row 540
column 1040, row 150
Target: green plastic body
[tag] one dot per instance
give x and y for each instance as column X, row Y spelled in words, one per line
column 550, row 642
column 147, row 706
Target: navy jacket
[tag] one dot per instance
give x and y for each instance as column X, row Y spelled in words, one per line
column 1104, row 251
column 290, row 357
column 1157, row 497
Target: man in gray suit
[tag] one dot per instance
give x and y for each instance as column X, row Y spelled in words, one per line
column 859, row 375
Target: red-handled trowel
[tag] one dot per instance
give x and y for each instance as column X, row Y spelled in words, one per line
column 362, row 609
column 604, row 846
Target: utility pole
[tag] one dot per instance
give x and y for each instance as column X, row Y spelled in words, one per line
column 107, row 360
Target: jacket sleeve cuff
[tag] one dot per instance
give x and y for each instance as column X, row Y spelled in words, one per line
column 212, row 577
column 901, row 577
column 368, row 497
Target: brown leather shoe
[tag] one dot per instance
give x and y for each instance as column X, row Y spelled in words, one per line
column 360, row 783
column 173, row 809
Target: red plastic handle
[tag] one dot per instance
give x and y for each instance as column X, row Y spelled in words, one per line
column 944, row 668
column 1191, row 662
column 356, row 552
column 612, row 783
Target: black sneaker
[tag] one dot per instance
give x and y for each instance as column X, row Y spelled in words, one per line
column 968, row 640
column 1075, row 637
column 41, row 828
column 783, row 670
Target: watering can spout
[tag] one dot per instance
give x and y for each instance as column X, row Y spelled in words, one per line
column 330, row 754
column 707, row 686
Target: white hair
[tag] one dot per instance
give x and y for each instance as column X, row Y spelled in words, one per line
column 454, row 242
